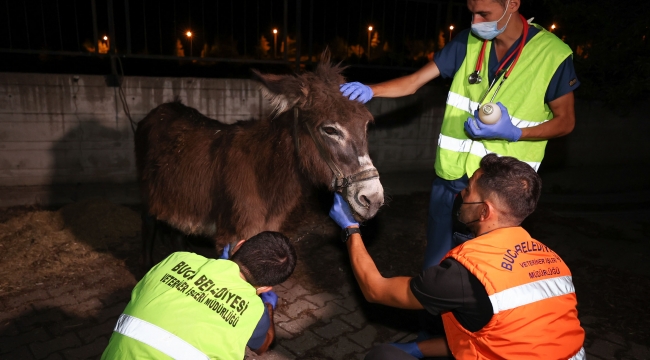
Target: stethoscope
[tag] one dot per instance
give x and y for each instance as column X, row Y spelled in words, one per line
column 475, row 78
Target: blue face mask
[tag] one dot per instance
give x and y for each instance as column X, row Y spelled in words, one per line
column 488, row 30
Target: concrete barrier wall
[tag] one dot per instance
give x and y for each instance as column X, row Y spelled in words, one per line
column 73, row 129
column 70, row 129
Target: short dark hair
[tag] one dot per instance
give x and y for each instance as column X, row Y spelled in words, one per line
column 266, row 259
column 515, row 183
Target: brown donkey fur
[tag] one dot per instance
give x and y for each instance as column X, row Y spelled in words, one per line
column 230, row 182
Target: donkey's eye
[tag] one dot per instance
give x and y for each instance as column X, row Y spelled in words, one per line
column 330, row 130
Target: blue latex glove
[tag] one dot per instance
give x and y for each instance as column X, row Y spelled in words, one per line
column 357, row 91
column 226, row 252
column 502, row 129
column 269, row 297
column 410, row 348
column 341, row 213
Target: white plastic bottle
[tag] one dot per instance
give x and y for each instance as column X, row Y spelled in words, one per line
column 489, row 113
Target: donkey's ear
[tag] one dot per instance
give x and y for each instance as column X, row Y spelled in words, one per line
column 283, row 91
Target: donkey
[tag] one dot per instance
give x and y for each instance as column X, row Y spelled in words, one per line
column 230, row 182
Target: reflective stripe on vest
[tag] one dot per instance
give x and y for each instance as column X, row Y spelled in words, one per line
column 473, row 147
column 158, row 338
column 580, row 355
column 464, row 103
column 531, row 292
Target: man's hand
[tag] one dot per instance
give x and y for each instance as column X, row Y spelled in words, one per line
column 410, row 348
column 502, row 129
column 270, row 298
column 226, row 252
column 357, row 91
column 341, row 213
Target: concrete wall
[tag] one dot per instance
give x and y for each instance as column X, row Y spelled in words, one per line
column 69, row 129
column 73, row 129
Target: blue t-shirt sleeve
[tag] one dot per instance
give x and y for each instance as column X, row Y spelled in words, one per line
column 563, row 81
column 451, row 57
column 259, row 335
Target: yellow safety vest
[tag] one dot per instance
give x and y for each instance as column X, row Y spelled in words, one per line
column 522, row 94
column 187, row 307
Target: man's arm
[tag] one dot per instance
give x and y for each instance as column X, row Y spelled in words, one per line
column 562, row 123
column 394, row 291
column 270, row 334
column 406, row 85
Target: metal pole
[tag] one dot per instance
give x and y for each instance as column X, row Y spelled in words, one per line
column 286, row 29
column 58, row 17
column 95, row 35
column 311, row 29
column 298, row 11
column 128, row 26
column 43, row 24
column 144, row 22
column 76, row 24
column 111, row 27
column 8, row 24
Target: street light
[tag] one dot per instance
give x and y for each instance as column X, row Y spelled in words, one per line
column 275, row 43
column 451, row 28
column 369, row 32
column 189, row 35
column 553, row 27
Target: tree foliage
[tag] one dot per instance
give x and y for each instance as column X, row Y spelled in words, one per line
column 610, row 43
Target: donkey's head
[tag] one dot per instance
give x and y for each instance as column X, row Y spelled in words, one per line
column 332, row 133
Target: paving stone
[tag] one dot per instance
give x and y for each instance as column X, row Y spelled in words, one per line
column 345, row 290
column 9, row 343
column 295, row 309
column 53, row 303
column 26, row 298
column 81, row 308
column 298, row 325
column 302, row 343
column 120, row 296
column 292, row 294
column 38, row 319
column 335, row 328
column 85, row 294
column 276, row 353
column 63, row 327
column 326, row 313
column 615, row 338
column 21, row 353
column 356, row 319
column 603, row 349
column 365, row 337
column 8, row 328
column 92, row 333
column 322, row 298
column 637, row 351
column 59, row 291
column 89, row 351
column 111, row 312
column 349, row 302
column 15, row 313
column 278, row 316
column 45, row 348
column 281, row 334
column 286, row 285
column 341, row 348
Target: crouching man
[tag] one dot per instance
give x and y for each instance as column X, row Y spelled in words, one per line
column 502, row 294
column 192, row 307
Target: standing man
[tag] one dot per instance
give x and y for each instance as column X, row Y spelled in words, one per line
column 502, row 294
column 533, row 84
column 191, row 307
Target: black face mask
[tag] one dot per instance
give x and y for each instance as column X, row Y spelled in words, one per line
column 460, row 230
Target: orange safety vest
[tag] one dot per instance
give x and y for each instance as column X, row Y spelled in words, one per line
column 532, row 295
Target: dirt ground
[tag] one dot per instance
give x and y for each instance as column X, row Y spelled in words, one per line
column 95, row 239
